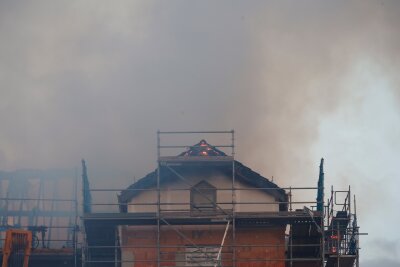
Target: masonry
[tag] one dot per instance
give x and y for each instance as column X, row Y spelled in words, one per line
column 199, row 246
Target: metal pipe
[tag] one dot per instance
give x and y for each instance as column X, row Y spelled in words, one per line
column 233, row 199
column 186, row 146
column 75, row 231
column 222, row 244
column 158, row 199
column 178, row 189
column 192, row 132
column 226, row 245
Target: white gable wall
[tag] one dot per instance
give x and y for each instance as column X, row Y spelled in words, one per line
column 181, row 198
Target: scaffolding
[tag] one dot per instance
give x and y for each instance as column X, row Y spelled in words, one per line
column 313, row 232
column 44, row 203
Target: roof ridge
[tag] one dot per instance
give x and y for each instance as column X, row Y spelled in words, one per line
column 202, row 148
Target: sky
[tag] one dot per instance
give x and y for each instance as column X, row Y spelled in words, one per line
column 296, row 80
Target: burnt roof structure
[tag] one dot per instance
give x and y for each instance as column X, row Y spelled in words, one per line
column 204, row 150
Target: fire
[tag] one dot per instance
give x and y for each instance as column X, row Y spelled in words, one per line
column 202, row 149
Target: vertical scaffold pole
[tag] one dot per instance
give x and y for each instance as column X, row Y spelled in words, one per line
column 338, row 244
column 291, row 244
column 233, row 200
column 75, row 230
column 158, row 199
column 357, row 236
column 321, row 208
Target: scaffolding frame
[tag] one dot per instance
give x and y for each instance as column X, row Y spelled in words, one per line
column 164, row 218
column 164, row 161
column 290, row 217
column 42, row 221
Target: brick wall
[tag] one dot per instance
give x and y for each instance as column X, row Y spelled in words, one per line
column 255, row 247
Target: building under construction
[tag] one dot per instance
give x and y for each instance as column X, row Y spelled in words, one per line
column 200, row 207
column 39, row 217
column 204, row 208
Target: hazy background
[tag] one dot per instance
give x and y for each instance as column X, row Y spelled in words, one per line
column 297, row 80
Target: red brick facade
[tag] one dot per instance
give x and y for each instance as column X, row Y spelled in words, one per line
column 255, row 247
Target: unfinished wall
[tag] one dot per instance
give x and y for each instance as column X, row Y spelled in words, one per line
column 255, row 247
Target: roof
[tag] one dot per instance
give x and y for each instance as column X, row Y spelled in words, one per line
column 242, row 174
column 204, row 149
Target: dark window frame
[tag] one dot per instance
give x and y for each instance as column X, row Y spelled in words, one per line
column 204, row 190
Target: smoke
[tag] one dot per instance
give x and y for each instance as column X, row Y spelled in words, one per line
column 96, row 79
column 380, row 262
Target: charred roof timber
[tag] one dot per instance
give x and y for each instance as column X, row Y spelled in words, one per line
column 87, row 197
column 320, row 195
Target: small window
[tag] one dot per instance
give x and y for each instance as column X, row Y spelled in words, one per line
column 203, row 197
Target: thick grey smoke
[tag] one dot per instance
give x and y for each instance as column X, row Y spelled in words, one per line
column 96, row 79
